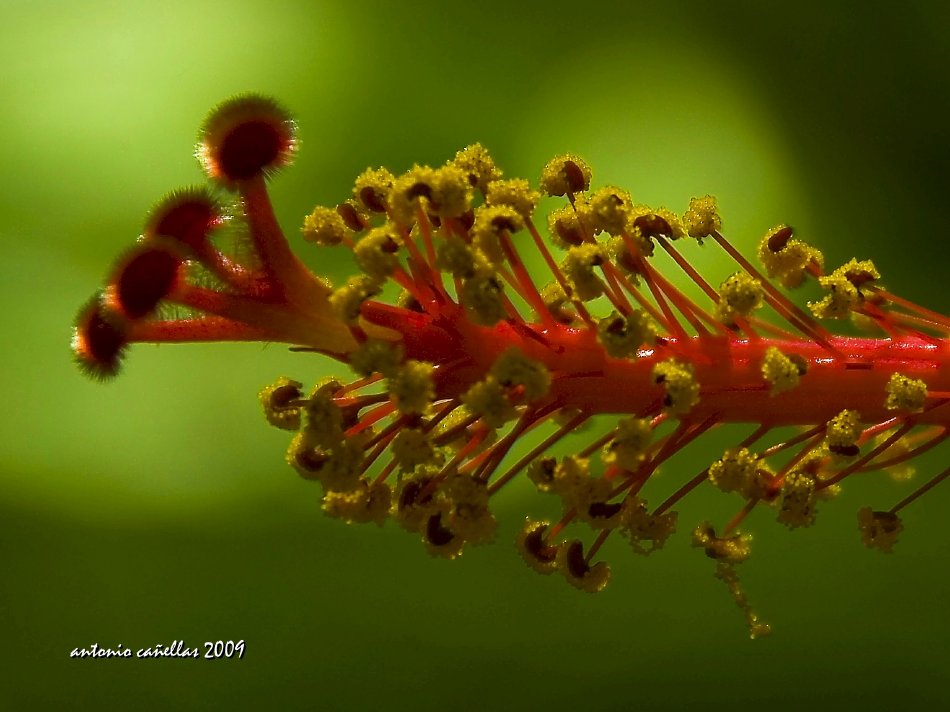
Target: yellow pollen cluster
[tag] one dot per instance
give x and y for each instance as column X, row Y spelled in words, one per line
column 782, row 372
column 702, row 218
column 681, row 386
column 565, row 175
column 843, row 287
column 623, row 336
column 629, row 444
column 905, row 393
column 739, row 470
column 843, row 432
column 739, row 295
column 516, row 193
column 879, row 530
column 411, row 387
column 325, row 226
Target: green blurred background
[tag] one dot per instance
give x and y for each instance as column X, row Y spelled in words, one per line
column 158, row 507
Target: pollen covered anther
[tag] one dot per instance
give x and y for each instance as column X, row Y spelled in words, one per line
column 843, row 432
column 372, row 188
column 245, row 137
column 782, row 372
column 728, row 549
column 578, row 266
column 786, row 258
column 565, row 175
column 622, row 336
column 478, row 166
column 681, row 386
column 702, row 218
column 279, row 401
column 739, row 295
column 904, row 393
column 879, row 530
column 325, row 226
column 843, row 289
column 536, row 552
column 578, row 572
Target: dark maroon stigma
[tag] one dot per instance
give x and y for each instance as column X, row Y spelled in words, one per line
column 186, row 218
column 145, row 279
column 98, row 343
column 250, row 148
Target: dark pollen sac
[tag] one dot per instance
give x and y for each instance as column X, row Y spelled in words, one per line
column 98, row 343
column 144, row 279
column 249, row 149
column 575, row 560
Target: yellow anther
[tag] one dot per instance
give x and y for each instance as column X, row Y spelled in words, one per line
column 565, row 227
column 323, row 419
column 413, row 447
column 280, row 401
column 782, row 372
column 591, row 500
column 372, row 188
column 642, row 528
column 797, row 507
column 740, row 470
column 375, row 356
column 490, row 222
column 411, row 387
column 629, row 445
column 346, row 300
column 565, row 175
column 905, row 393
column 656, row 222
column 729, row 549
column 451, row 194
column 488, row 399
column 455, row 255
column 701, row 219
column 411, row 190
column 513, row 368
column 786, row 258
column 534, row 548
column 441, row 541
column 609, row 210
column 572, row 564
column 843, row 432
column 325, row 226
column 376, row 252
column 478, row 165
column 879, row 530
column 556, row 301
column 622, row 336
column 336, row 467
column 368, row 502
column 515, row 193
column 481, row 296
column 578, row 266
column 739, row 295
column 414, row 502
column 681, row 386
column 468, row 517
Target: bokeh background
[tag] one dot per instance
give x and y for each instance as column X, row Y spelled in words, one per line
column 158, row 507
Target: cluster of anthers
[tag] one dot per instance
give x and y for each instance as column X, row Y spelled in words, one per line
column 478, row 350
